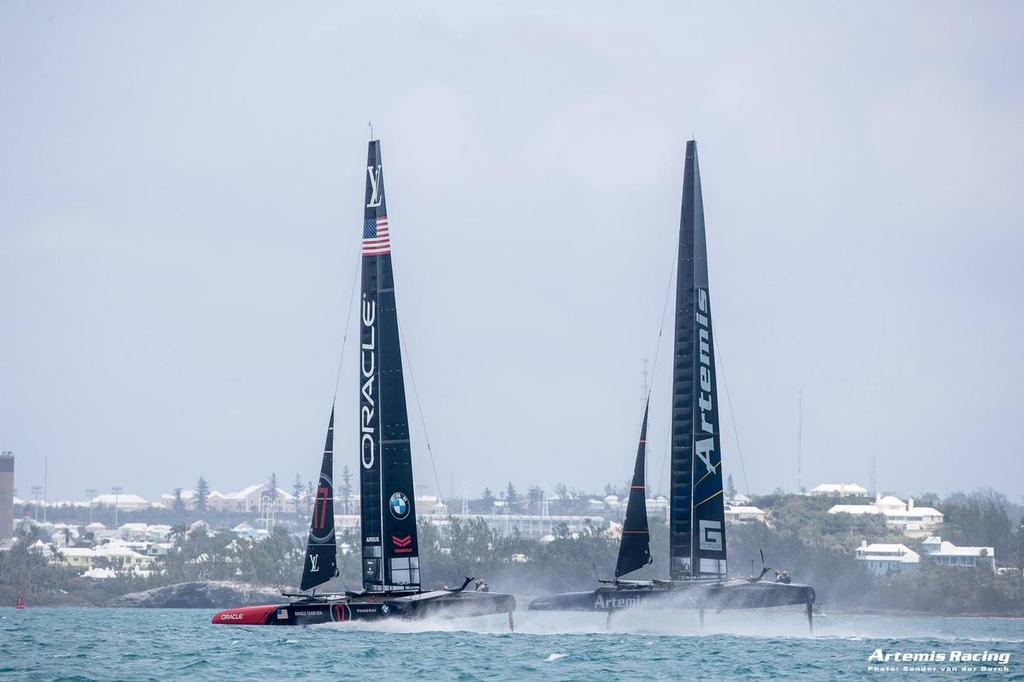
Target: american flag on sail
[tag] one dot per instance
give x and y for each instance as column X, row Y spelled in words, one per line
column 375, row 236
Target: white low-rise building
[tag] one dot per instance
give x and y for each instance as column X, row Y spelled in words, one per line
column 244, row 530
column 743, row 514
column 838, row 490
column 945, row 553
column 215, row 500
column 883, row 559
column 134, row 531
column 657, row 507
column 913, row 521
column 79, row 558
column 347, row 522
column 124, row 501
column 258, row 497
column 122, row 556
column 431, row 505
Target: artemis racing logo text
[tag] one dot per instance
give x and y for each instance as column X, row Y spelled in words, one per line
column 368, row 368
column 616, row 602
column 705, row 447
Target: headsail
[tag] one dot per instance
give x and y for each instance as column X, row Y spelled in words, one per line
column 697, row 517
column 388, row 514
column 635, row 545
column 321, row 563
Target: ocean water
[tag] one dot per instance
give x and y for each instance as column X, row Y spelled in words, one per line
column 172, row 644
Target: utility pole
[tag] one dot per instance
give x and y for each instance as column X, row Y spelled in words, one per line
column 36, row 491
column 799, row 440
column 117, row 491
column 46, row 478
column 91, row 494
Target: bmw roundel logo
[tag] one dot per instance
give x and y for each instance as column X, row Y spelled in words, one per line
column 399, row 506
column 385, row 609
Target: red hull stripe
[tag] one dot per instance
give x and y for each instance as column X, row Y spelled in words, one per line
column 247, row 615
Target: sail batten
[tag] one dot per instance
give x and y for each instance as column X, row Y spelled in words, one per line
column 697, row 513
column 635, row 545
column 388, row 516
column 321, row 562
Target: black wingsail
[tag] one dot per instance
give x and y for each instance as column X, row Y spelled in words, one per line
column 388, row 514
column 697, row 516
column 635, row 545
column 321, row 563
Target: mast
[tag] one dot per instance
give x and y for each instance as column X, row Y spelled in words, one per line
column 388, row 507
column 697, row 511
column 635, row 545
column 321, row 563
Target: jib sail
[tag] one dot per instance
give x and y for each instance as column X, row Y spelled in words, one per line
column 697, row 516
column 388, row 514
column 321, row 563
column 635, row 545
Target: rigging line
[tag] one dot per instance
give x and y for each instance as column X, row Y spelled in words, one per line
column 654, row 365
column 661, row 330
column 419, row 407
column 348, row 322
column 736, row 435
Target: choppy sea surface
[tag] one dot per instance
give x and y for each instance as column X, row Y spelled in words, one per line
column 171, row 644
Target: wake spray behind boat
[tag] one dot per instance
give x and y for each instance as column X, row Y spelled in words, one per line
column 697, row 537
column 390, row 547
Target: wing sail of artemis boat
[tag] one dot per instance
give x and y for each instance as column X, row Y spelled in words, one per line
column 697, row 533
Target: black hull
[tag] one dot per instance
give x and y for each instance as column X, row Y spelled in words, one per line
column 733, row 594
column 441, row 604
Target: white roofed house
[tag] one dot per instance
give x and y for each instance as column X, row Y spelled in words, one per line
column 735, row 513
column 122, row 557
column 134, row 531
column 838, row 490
column 124, row 501
column 258, row 498
column 884, row 559
column 914, row 522
column 657, row 508
column 188, row 498
column 431, row 505
column 214, row 500
column 944, row 553
column 79, row 558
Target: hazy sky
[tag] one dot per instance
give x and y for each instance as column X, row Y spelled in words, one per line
column 181, row 197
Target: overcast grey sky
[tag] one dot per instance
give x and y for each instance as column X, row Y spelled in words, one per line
column 180, row 204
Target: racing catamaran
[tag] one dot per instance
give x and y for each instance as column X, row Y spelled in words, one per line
column 390, row 548
column 697, row 537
